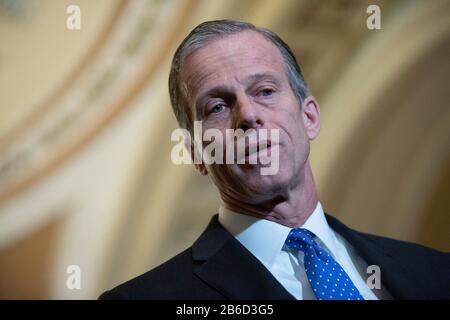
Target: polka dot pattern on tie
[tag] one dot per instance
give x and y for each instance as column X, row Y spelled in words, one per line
column 327, row 278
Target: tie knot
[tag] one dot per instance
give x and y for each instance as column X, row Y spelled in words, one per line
column 300, row 239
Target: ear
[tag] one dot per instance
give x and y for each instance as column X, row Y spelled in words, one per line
column 311, row 117
column 200, row 167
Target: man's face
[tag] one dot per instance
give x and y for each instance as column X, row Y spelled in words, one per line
column 240, row 82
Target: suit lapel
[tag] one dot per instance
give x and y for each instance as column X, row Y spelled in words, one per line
column 228, row 267
column 398, row 279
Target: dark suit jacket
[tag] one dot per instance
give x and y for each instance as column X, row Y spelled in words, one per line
column 217, row 266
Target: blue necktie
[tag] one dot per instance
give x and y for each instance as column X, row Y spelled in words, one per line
column 327, row 278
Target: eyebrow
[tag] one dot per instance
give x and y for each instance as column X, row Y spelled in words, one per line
column 223, row 88
column 262, row 76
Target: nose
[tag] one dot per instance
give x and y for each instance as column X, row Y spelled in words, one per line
column 247, row 114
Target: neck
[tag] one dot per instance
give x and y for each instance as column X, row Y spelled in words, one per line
column 291, row 208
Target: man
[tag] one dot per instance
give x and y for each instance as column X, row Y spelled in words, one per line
column 271, row 238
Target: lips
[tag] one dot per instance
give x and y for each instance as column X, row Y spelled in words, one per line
column 261, row 146
column 253, row 152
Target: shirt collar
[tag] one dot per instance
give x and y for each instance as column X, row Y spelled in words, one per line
column 317, row 224
column 253, row 233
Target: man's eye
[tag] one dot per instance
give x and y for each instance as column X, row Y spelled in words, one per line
column 217, row 108
column 266, row 92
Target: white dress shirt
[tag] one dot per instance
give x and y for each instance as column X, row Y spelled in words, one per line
column 265, row 240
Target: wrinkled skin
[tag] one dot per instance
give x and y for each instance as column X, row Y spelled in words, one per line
column 240, row 81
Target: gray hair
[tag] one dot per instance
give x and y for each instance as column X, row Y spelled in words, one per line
column 208, row 31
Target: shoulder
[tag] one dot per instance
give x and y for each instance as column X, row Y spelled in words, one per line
column 427, row 267
column 390, row 246
column 404, row 264
column 415, row 256
column 152, row 283
column 174, row 279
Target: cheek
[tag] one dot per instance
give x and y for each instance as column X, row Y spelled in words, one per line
column 218, row 121
column 295, row 143
column 293, row 130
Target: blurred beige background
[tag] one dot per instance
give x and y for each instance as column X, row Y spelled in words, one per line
column 85, row 123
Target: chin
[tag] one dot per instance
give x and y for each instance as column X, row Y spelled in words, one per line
column 270, row 185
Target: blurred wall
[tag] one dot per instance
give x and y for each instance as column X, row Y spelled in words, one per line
column 85, row 123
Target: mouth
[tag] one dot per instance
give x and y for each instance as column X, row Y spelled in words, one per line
column 253, row 152
column 257, row 147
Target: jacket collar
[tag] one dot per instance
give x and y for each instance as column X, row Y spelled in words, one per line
column 217, row 252
column 225, row 265
column 398, row 278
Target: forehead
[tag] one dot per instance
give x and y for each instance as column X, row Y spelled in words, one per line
column 230, row 59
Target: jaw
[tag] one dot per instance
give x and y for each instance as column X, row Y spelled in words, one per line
column 244, row 183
